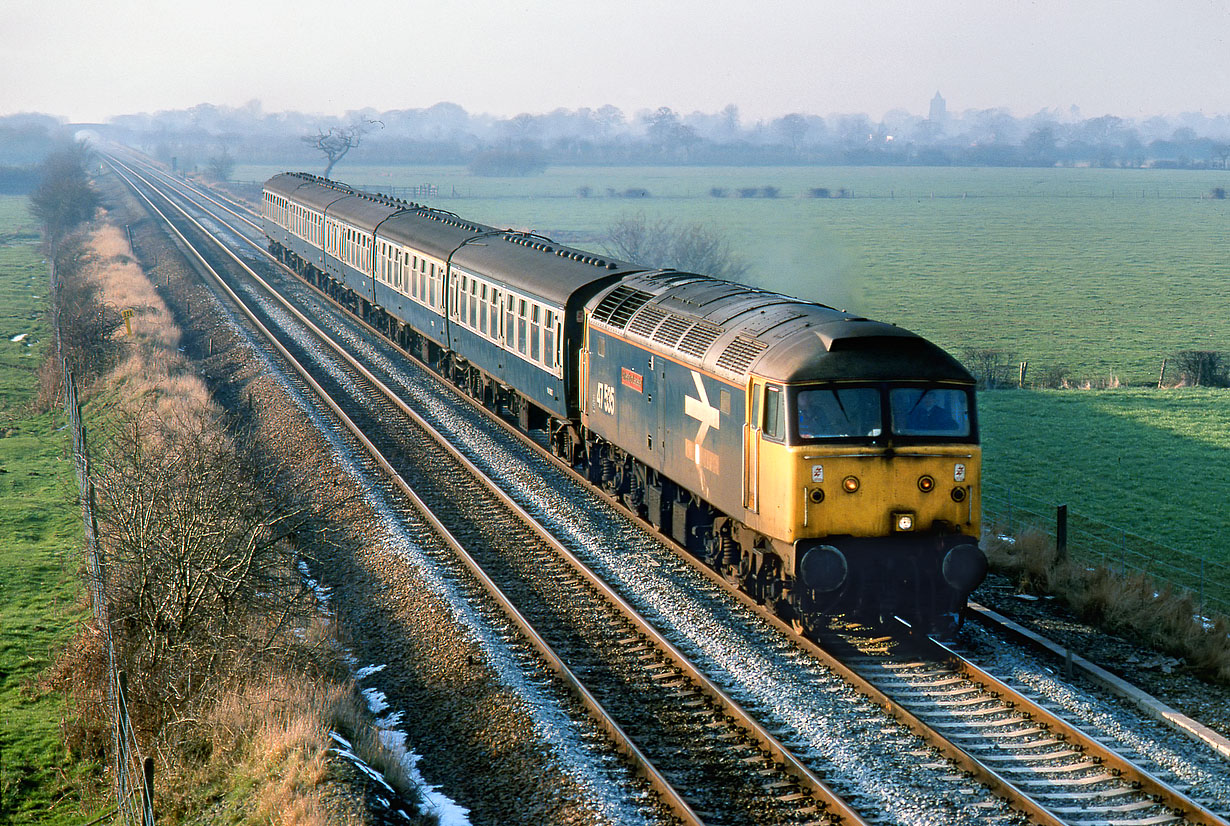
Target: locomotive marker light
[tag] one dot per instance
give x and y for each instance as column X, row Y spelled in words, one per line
column 926, row 484
column 850, row 484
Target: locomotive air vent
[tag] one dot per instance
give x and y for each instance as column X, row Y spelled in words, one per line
column 740, row 353
column 698, row 340
column 671, row 330
column 644, row 322
column 619, row 305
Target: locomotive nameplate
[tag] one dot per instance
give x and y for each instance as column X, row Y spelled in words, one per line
column 632, row 379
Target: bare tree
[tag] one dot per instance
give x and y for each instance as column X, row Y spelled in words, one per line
column 335, row 143
column 665, row 243
column 1201, row 368
column 220, row 166
column 793, row 128
column 63, row 198
column 991, row 368
column 201, row 574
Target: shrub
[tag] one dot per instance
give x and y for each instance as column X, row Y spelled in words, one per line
column 1201, row 368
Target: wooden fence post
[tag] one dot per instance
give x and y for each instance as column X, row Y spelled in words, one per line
column 1162, row 377
column 1024, row 368
column 147, row 793
column 1061, row 532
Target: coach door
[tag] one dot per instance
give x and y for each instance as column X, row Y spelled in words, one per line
column 751, row 449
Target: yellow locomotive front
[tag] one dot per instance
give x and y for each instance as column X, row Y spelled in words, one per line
column 870, row 490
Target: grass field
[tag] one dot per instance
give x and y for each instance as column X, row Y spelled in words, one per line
column 1148, row 462
column 40, row 535
column 1102, row 271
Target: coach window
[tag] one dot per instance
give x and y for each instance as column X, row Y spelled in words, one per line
column 535, row 333
column 521, row 317
column 774, row 421
column 482, row 310
column 548, row 344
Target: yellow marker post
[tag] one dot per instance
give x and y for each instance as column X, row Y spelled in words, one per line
column 127, row 314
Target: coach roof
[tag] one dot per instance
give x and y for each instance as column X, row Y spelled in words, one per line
column 536, row 265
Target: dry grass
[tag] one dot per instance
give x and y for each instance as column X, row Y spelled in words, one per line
column 125, row 286
column 276, row 733
column 255, row 748
column 1131, row 604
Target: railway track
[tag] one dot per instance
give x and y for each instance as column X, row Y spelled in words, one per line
column 917, row 691
column 680, row 730
column 1015, row 740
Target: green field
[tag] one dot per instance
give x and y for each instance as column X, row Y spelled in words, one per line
column 1102, row 271
column 40, row 538
column 1149, row 462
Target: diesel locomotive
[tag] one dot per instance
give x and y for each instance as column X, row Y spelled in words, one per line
column 825, row 463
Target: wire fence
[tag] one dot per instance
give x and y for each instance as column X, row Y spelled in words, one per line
column 1112, row 547
column 133, row 774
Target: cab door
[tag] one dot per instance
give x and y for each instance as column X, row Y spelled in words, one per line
column 751, row 448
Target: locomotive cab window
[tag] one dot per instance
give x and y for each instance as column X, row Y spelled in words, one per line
column 869, row 413
column 930, row 411
column 838, row 413
column 774, row 420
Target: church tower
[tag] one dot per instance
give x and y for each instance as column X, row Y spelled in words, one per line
column 939, row 109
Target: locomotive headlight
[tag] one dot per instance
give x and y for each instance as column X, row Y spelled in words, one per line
column 958, row 494
column 850, row 484
column 903, row 521
column 926, row 484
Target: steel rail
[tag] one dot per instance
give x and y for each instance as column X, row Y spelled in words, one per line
column 1015, row 797
column 1128, row 771
column 1150, row 705
column 835, row 805
column 671, row 797
column 985, row 774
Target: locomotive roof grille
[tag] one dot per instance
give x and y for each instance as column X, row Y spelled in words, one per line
column 740, row 353
column 620, row 304
column 697, row 341
column 672, row 329
column 647, row 320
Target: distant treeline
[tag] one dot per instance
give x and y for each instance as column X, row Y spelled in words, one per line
column 448, row 134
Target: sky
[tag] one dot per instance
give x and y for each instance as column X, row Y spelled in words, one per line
column 89, row 60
